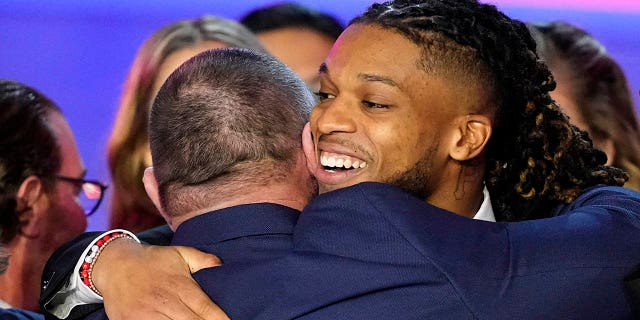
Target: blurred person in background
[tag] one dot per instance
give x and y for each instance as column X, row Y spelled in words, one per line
column 44, row 197
column 593, row 91
column 128, row 146
column 298, row 36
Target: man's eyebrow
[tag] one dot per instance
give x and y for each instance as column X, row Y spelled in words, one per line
column 364, row 76
column 377, row 78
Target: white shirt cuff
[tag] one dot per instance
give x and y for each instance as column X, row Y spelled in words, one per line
column 77, row 293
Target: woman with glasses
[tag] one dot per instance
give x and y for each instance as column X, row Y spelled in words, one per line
column 44, row 197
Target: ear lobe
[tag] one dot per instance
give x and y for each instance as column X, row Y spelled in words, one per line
column 309, row 149
column 30, row 205
column 471, row 137
column 151, row 187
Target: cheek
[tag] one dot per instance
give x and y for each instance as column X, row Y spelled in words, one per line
column 401, row 136
column 395, row 147
column 65, row 220
column 72, row 213
column 407, row 143
column 77, row 219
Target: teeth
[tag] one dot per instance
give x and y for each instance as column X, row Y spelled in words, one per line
column 331, row 162
column 340, row 161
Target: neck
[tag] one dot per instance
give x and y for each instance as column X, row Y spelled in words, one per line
column 286, row 194
column 20, row 283
column 462, row 195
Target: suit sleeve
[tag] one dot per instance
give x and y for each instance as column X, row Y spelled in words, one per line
column 59, row 270
column 60, row 266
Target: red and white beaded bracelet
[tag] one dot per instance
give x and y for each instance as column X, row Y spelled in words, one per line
column 92, row 255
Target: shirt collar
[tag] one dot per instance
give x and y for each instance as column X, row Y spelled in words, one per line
column 486, row 210
column 233, row 222
column 4, row 305
column 256, row 218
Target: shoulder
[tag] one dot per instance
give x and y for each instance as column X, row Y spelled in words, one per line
column 603, row 192
column 605, row 199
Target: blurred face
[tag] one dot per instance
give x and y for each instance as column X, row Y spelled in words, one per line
column 564, row 96
column 65, row 217
column 381, row 118
column 302, row 50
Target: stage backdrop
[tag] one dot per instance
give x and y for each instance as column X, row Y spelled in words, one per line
column 78, row 51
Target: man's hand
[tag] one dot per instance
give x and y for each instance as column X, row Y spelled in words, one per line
column 151, row 282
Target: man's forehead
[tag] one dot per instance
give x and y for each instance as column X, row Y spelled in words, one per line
column 358, row 55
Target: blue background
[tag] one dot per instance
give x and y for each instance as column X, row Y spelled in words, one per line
column 78, row 52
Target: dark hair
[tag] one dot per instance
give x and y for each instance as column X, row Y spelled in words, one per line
column 4, row 258
column 28, row 147
column 285, row 15
column 225, row 118
column 598, row 87
column 535, row 158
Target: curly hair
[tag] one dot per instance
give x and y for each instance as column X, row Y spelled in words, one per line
column 28, row 146
column 535, row 159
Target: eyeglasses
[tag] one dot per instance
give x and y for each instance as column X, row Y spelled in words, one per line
column 91, row 195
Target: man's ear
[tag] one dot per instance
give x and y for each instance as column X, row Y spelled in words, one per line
column 151, row 187
column 471, row 137
column 309, row 149
column 31, row 203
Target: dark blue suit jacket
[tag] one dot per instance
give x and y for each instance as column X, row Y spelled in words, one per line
column 245, row 235
column 373, row 252
column 18, row 314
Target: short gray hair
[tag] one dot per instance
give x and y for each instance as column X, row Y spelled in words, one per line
column 225, row 117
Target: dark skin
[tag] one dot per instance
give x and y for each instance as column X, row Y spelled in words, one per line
column 400, row 120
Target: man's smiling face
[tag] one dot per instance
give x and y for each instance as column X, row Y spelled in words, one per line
column 381, row 117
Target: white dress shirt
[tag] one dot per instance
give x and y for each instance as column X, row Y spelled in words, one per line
column 5, row 305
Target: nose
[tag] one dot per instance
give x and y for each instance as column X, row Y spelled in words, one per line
column 334, row 116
